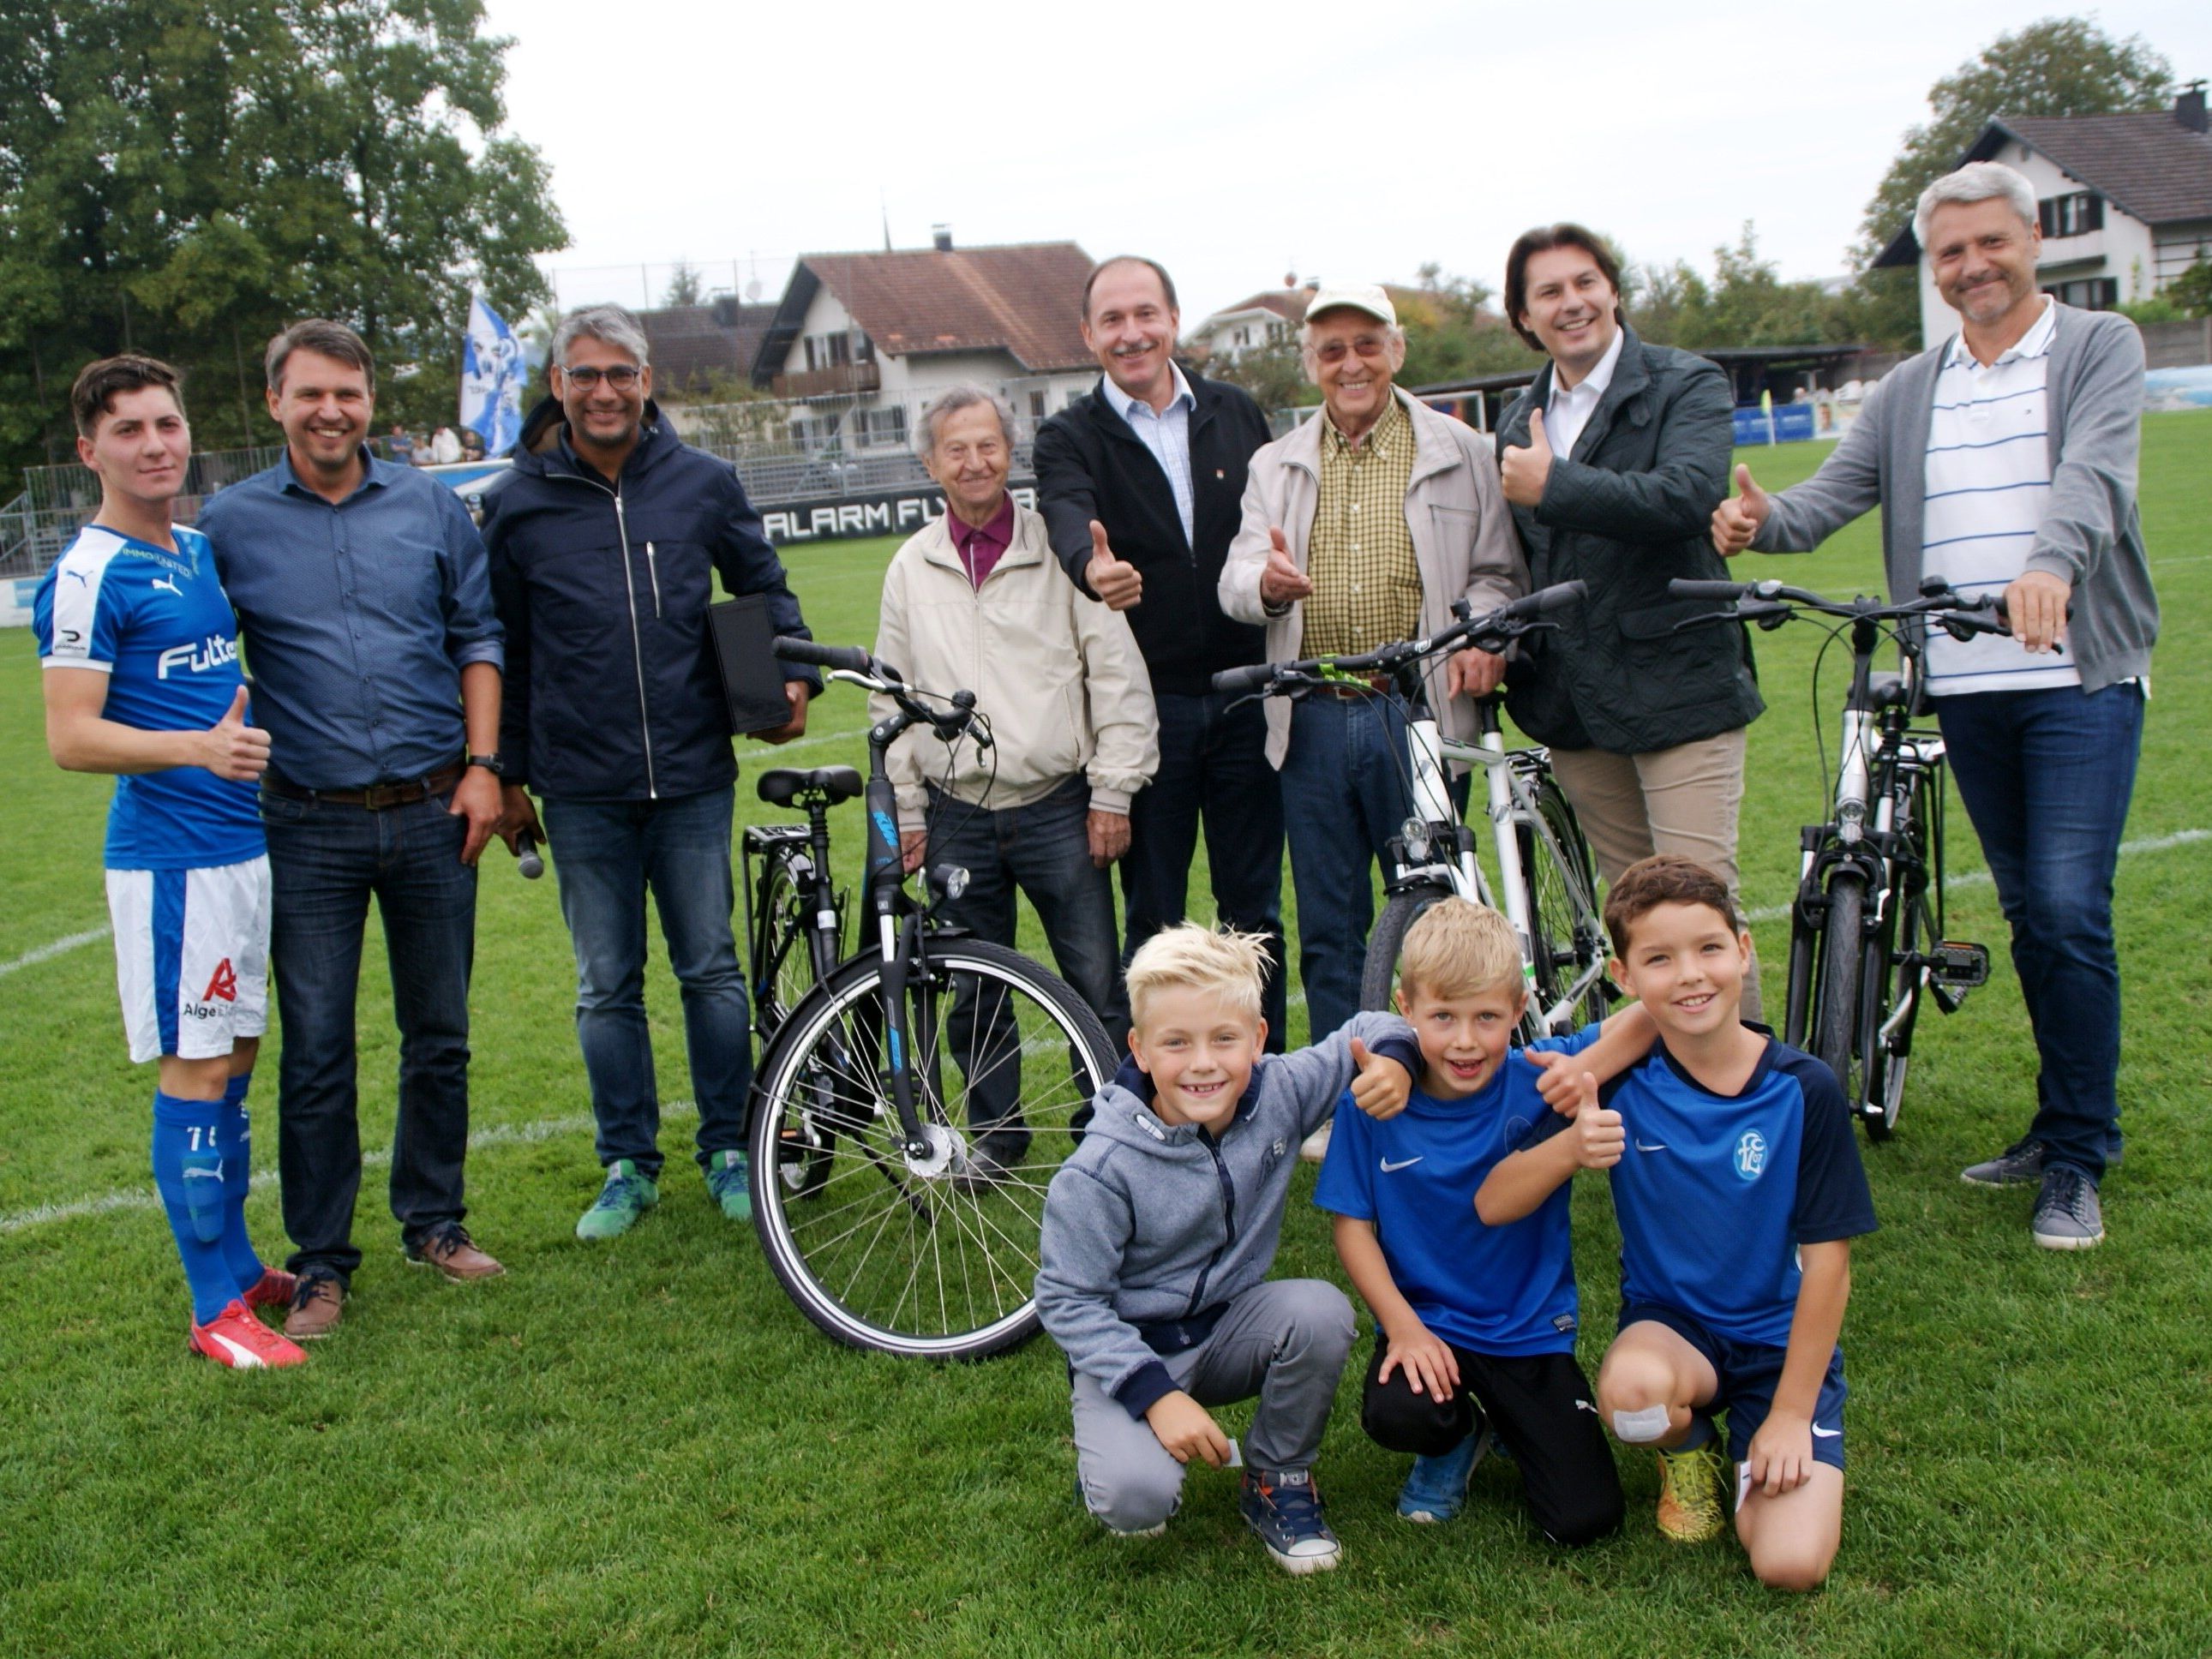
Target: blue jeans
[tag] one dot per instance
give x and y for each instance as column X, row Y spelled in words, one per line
column 325, row 863
column 1042, row 850
column 2046, row 776
column 1213, row 762
column 1345, row 794
column 607, row 853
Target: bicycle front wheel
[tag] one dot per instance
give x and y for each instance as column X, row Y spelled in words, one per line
column 784, row 972
column 1566, row 940
column 1378, row 974
column 1900, row 970
column 1844, row 956
column 936, row 1256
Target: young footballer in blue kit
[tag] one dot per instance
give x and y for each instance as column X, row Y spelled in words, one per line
column 142, row 680
column 1474, row 1325
column 1738, row 1192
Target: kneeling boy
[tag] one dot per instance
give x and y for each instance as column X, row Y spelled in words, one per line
column 1474, row 1325
column 1738, row 1194
column 1159, row 1230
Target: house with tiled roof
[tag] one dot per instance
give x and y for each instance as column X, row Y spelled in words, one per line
column 1253, row 324
column 865, row 340
column 694, row 348
column 2125, row 202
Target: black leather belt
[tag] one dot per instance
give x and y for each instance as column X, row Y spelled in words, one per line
column 376, row 798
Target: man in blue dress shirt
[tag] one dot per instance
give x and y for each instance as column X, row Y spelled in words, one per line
column 363, row 596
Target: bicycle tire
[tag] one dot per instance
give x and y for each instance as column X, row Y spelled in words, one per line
column 1908, row 937
column 879, row 1251
column 1378, row 973
column 785, row 968
column 1566, row 938
column 1836, row 997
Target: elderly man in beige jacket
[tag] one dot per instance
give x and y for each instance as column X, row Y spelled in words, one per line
column 975, row 600
column 1361, row 527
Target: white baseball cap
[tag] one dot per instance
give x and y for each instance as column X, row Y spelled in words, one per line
column 1357, row 296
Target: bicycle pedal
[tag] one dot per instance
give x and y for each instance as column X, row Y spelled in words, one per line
column 1955, row 967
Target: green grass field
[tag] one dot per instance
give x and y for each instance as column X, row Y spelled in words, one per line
column 642, row 1448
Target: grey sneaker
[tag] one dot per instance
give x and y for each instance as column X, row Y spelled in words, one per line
column 2022, row 1163
column 2067, row 1214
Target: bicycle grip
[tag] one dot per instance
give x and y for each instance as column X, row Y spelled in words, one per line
column 1556, row 596
column 1687, row 587
column 1249, row 677
column 850, row 658
column 526, row 859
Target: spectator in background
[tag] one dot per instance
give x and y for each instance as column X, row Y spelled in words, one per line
column 1360, row 527
column 974, row 601
column 605, row 542
column 472, row 444
column 399, row 447
column 361, row 596
column 1613, row 460
column 1139, row 485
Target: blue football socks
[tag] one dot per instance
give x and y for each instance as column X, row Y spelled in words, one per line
column 235, row 1132
column 188, row 1173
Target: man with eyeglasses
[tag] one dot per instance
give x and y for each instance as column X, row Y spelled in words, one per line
column 604, row 543
column 1360, row 528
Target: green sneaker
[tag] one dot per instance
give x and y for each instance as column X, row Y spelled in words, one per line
column 626, row 1196
column 729, row 1183
column 1693, row 1484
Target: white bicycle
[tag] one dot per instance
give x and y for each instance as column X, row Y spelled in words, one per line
column 1544, row 881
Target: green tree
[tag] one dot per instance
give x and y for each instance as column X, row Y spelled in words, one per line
column 685, row 285
column 2058, row 66
column 184, row 177
column 2190, row 292
column 1452, row 333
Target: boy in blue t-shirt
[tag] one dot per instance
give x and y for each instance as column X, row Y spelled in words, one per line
column 1738, row 1192
column 141, row 680
column 1474, row 1325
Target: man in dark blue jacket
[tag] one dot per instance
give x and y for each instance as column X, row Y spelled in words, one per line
column 1141, row 485
column 605, row 546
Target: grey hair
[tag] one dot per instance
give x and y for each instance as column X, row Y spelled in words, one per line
column 950, row 401
column 1391, row 331
column 612, row 324
column 1977, row 181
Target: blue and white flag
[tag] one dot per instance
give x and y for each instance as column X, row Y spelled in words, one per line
column 492, row 373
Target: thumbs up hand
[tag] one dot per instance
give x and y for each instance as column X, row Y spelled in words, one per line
column 1523, row 470
column 231, row 749
column 1735, row 522
column 1121, row 585
column 1381, row 1086
column 1282, row 582
column 1600, row 1140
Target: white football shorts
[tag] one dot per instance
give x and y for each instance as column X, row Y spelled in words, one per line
column 192, row 957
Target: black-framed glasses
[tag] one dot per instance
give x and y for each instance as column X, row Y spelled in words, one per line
column 622, row 377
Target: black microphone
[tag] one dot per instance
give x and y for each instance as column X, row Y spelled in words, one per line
column 526, row 857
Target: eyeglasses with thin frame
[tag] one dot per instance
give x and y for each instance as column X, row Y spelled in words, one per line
column 1367, row 345
column 622, row 377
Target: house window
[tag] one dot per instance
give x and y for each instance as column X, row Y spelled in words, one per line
column 878, row 428
column 2089, row 294
column 2071, row 215
column 827, row 350
column 1037, row 406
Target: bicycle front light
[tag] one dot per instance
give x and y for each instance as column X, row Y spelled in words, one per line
column 1417, row 840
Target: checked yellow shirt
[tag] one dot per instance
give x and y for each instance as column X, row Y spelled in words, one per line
column 1359, row 555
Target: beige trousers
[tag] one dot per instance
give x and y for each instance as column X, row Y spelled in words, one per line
column 1683, row 799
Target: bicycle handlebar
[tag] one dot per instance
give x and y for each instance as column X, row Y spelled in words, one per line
column 1940, row 603
column 813, row 653
column 1505, row 624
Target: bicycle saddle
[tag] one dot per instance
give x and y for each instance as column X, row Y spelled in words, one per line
column 784, row 785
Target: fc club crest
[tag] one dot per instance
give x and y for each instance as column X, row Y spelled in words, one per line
column 1751, row 1155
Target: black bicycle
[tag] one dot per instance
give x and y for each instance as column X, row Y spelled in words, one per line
column 910, row 1108
column 1867, row 930
column 1544, row 881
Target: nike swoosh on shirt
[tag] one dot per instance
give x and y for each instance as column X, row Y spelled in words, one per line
column 1388, row 1168
column 1826, row 1434
column 1656, row 1147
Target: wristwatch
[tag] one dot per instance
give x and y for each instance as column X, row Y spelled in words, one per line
column 494, row 763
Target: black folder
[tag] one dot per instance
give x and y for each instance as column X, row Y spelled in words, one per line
column 744, row 651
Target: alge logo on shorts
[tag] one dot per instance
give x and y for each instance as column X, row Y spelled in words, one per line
column 218, row 650
column 223, row 986
column 1751, row 1155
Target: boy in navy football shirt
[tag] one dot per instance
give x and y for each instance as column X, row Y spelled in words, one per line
column 1474, row 1325
column 1738, row 1193
column 141, row 680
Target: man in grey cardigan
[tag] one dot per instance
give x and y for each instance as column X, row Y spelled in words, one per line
column 2005, row 459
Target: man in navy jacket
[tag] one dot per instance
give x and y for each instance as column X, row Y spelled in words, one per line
column 605, row 546
column 1141, row 485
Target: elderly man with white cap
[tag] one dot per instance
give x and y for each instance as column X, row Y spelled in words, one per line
column 1360, row 527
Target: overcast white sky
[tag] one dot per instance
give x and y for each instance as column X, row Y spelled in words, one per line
column 1233, row 141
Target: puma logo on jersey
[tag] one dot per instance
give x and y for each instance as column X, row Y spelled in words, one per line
column 217, row 652
column 169, row 582
column 223, row 988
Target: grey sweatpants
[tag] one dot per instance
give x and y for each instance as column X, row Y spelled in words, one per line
column 1285, row 1341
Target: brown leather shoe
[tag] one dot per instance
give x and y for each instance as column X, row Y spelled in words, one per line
column 317, row 1302
column 451, row 1251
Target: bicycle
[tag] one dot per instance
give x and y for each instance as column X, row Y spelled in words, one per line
column 1544, row 868
column 1867, row 934
column 794, row 915
column 910, row 1108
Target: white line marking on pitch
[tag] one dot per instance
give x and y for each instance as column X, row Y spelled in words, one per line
column 1982, row 878
column 48, row 952
column 500, row 1134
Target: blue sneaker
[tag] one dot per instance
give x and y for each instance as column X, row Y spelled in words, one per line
column 729, row 1185
column 1437, row 1486
column 1284, row 1508
column 626, row 1196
